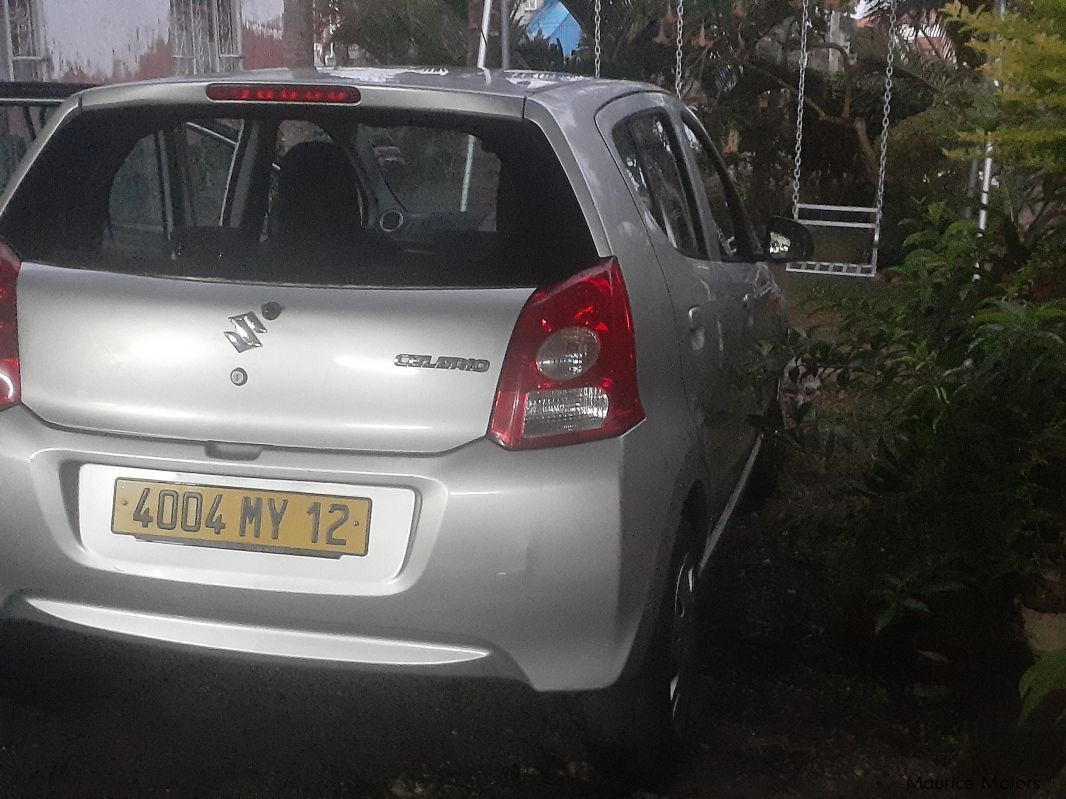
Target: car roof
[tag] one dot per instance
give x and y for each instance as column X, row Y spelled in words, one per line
column 486, row 83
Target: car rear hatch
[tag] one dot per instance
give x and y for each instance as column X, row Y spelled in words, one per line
column 259, row 273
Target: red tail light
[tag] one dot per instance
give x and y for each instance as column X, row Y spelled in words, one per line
column 570, row 374
column 10, row 380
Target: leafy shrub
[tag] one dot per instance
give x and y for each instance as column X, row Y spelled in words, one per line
column 954, row 385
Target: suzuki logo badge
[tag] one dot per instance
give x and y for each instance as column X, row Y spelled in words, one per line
column 245, row 338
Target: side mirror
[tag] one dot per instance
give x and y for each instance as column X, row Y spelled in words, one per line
column 787, row 240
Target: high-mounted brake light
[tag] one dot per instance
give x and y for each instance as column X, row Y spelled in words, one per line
column 570, row 374
column 10, row 375
column 283, row 93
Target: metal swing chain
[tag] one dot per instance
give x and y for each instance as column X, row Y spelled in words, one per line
column 680, row 55
column 800, row 98
column 883, row 162
column 598, row 49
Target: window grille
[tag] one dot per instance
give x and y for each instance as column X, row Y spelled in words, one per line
column 205, row 36
column 25, row 42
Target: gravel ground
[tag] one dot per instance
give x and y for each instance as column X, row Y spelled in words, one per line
column 779, row 718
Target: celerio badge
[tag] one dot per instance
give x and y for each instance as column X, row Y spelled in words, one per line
column 442, row 362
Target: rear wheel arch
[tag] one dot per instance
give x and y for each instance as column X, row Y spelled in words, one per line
column 639, row 726
column 687, row 515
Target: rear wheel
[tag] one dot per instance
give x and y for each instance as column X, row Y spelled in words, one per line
column 639, row 726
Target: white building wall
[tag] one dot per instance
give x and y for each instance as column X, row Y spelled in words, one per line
column 103, row 41
column 99, row 40
column 262, row 13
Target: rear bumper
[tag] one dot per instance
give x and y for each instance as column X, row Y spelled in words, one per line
column 535, row 566
column 260, row 640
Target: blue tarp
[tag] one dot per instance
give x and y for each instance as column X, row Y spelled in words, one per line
column 554, row 22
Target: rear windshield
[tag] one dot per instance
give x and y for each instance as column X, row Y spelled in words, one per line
column 339, row 197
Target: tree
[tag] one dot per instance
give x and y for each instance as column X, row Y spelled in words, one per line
column 297, row 34
column 1025, row 67
column 1026, row 63
column 740, row 67
column 426, row 32
column 474, row 9
column 473, row 29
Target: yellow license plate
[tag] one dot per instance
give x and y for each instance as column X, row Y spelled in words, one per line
column 242, row 518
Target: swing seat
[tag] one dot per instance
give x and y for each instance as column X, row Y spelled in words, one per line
column 845, row 240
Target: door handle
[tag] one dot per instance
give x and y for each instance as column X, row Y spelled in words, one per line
column 695, row 318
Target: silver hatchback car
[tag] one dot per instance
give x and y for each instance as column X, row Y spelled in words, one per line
column 419, row 370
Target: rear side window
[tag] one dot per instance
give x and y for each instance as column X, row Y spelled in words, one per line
column 332, row 198
column 652, row 162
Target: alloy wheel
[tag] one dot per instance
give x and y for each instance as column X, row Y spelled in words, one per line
column 682, row 670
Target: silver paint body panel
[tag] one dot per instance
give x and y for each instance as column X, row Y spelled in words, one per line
column 153, row 359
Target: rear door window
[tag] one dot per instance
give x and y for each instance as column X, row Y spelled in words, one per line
column 653, row 164
column 136, row 221
column 436, row 171
column 328, row 198
column 206, row 154
column 172, row 182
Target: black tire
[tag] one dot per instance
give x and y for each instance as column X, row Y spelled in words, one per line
column 639, row 727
